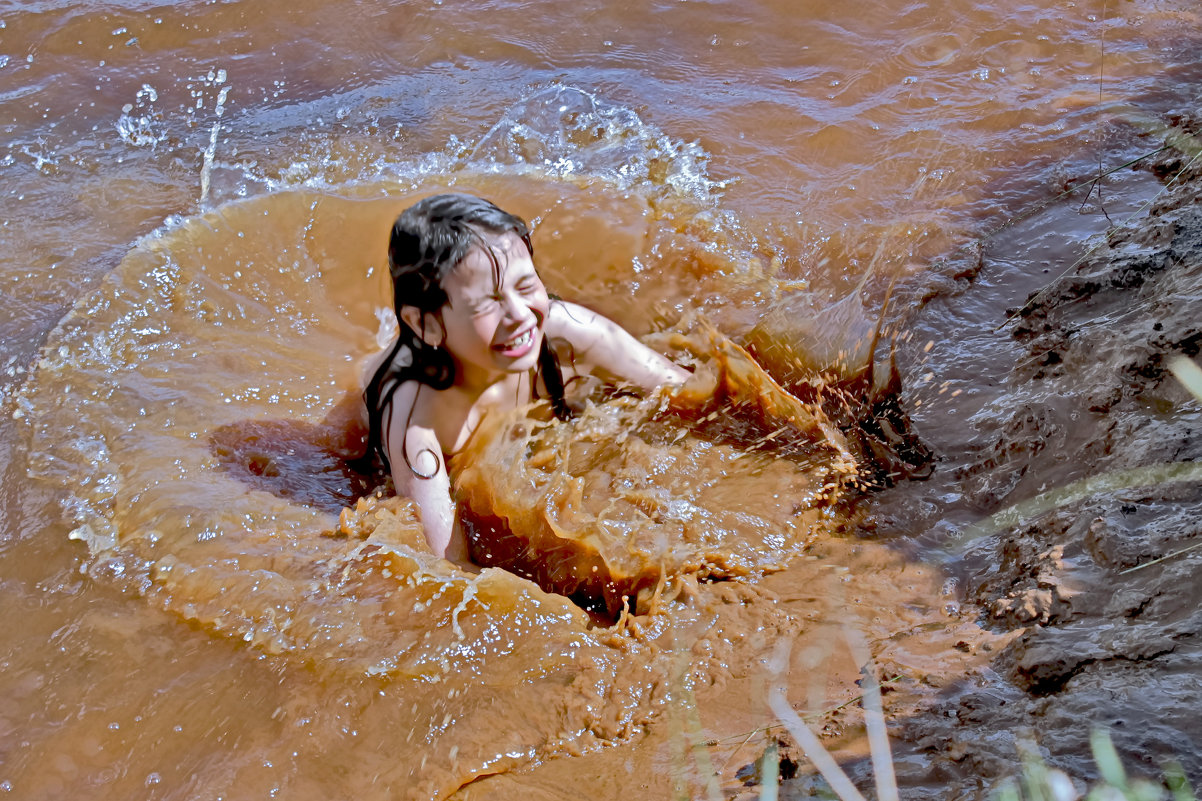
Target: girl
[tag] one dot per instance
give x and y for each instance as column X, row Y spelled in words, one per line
column 478, row 333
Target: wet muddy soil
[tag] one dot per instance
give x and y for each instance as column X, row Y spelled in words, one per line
column 1096, row 591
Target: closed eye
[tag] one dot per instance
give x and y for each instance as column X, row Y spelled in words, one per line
column 484, row 306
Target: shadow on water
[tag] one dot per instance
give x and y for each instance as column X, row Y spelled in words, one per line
column 315, row 464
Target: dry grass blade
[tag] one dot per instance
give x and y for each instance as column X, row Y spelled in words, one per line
column 813, row 748
column 809, row 743
column 878, row 738
column 1164, row 558
column 874, row 717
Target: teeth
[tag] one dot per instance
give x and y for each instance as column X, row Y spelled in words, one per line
column 520, row 341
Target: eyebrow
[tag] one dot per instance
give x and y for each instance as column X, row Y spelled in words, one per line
column 474, row 296
column 515, row 274
column 502, row 259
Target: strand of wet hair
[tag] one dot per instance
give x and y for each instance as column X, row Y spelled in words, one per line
column 549, row 369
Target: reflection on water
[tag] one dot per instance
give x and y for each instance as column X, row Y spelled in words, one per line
column 229, row 630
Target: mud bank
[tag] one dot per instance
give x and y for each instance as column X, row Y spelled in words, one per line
column 1104, row 635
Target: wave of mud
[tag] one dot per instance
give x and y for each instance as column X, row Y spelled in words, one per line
column 632, row 494
column 196, row 415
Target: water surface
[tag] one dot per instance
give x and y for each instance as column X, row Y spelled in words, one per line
column 199, row 192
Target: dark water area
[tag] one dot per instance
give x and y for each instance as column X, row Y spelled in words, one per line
column 196, row 197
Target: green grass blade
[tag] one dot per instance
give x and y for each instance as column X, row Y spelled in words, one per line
column 1178, row 784
column 1188, row 374
column 1107, row 759
column 770, row 773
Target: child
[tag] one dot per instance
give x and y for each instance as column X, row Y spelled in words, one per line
column 478, row 333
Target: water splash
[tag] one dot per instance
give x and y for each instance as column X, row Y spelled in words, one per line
column 141, row 123
column 216, row 79
column 560, row 132
column 567, row 131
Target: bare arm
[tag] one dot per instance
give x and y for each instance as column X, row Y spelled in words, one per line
column 423, row 478
column 603, row 344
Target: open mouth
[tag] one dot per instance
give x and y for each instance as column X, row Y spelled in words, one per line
column 519, row 345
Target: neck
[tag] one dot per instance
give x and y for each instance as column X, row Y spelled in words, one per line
column 474, row 379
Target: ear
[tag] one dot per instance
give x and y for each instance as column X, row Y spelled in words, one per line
column 427, row 326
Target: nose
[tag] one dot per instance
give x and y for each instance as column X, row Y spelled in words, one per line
column 514, row 307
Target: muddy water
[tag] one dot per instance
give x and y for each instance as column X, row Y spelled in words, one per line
column 198, row 193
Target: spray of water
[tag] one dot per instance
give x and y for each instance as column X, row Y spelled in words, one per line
column 217, row 79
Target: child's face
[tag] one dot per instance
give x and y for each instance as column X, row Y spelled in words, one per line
column 492, row 325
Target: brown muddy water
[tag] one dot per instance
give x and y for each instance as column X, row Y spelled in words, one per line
column 196, row 201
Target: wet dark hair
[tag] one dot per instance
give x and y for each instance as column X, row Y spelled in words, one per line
column 429, row 239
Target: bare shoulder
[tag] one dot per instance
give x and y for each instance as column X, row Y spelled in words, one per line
column 404, row 399
column 410, row 426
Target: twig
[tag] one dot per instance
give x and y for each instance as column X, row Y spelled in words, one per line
column 1166, row 557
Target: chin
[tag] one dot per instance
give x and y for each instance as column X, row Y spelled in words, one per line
column 527, row 361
